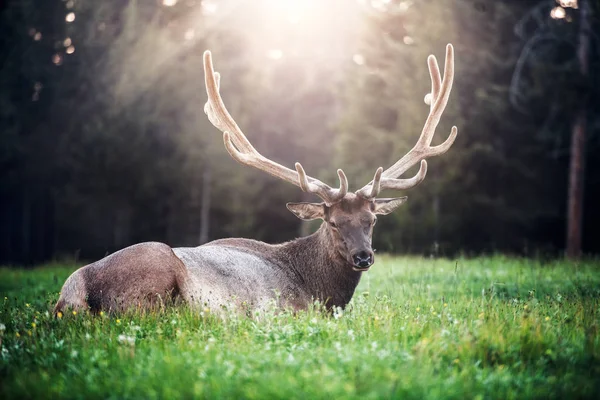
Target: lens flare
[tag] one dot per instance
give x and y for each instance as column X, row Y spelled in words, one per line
column 558, row 13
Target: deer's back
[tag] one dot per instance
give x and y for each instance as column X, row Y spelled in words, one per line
column 239, row 273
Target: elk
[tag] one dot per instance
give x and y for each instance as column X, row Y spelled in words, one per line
column 325, row 266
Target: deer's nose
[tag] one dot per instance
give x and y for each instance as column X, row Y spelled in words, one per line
column 363, row 258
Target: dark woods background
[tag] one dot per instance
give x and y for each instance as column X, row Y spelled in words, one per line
column 104, row 142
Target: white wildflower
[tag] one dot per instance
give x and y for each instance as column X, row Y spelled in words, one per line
column 125, row 339
column 338, row 312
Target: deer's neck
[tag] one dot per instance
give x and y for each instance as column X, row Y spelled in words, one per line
column 327, row 276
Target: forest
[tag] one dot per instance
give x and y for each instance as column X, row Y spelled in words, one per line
column 104, row 141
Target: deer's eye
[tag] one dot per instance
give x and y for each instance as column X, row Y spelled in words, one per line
column 333, row 224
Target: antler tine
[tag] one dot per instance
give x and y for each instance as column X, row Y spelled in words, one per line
column 372, row 189
column 329, row 195
column 241, row 150
column 438, row 99
column 436, row 80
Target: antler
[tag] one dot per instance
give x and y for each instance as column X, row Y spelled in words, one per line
column 242, row 150
column 440, row 92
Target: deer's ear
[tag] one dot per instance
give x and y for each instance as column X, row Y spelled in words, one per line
column 386, row 206
column 307, row 211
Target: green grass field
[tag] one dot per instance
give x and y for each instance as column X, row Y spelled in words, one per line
column 417, row 328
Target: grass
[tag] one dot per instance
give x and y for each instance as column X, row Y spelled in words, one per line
column 482, row 328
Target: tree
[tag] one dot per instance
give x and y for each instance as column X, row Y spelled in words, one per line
column 558, row 48
column 577, row 167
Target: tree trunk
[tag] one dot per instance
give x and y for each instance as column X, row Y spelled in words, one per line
column 205, row 206
column 577, row 162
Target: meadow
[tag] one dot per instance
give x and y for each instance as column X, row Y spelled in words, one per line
column 482, row 328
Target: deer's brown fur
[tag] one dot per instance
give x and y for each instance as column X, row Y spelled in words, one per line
column 140, row 276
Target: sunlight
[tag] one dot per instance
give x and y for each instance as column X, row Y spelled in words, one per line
column 209, row 7
column 408, row 40
column 558, row 13
column 189, row 34
column 292, row 10
column 568, row 3
column 275, row 54
column 314, row 30
column 301, row 28
column 57, row 59
column 358, row 59
column 380, row 5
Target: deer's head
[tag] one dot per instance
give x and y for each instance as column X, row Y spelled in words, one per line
column 349, row 217
column 349, row 224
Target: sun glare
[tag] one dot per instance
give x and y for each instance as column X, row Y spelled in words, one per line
column 57, row 59
column 292, row 10
column 558, row 12
column 189, row 34
column 209, row 7
column 568, row 3
column 358, row 59
column 310, row 29
column 275, row 54
column 380, row 5
column 319, row 31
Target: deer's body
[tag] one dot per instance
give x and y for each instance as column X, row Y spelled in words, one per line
column 325, row 266
column 231, row 273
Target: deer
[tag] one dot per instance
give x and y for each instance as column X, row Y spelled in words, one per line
column 237, row 273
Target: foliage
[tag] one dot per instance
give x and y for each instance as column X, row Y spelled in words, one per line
column 491, row 327
column 109, row 147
